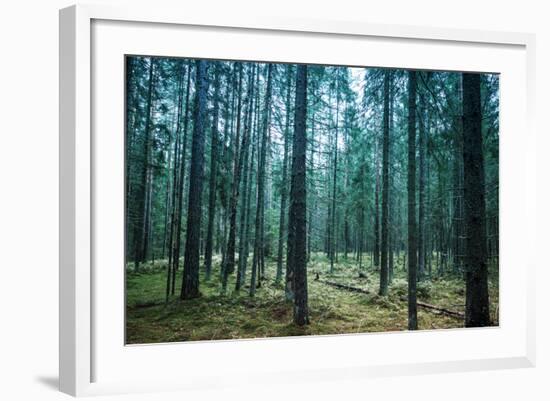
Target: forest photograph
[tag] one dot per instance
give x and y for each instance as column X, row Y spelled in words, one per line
column 267, row 199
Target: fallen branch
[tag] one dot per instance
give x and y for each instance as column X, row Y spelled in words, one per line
column 448, row 312
column 433, row 308
column 344, row 287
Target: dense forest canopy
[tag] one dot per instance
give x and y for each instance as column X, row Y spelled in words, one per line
column 245, row 177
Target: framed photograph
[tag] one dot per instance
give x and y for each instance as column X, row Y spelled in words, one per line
column 290, row 200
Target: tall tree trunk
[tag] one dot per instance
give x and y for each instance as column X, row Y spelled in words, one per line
column 245, row 198
column 360, row 240
column 190, row 283
column 179, row 211
column 411, row 195
column 477, row 293
column 229, row 260
column 171, row 168
column 311, row 204
column 284, row 183
column 147, row 221
column 346, row 233
column 132, row 98
column 421, row 186
column 391, row 197
column 139, row 228
column 334, row 236
column 174, row 193
column 376, row 255
column 384, row 272
column 258, row 237
column 297, row 214
column 229, row 157
column 458, row 186
column 213, row 174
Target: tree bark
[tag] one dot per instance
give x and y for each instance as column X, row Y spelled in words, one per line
column 376, row 255
column 245, row 198
column 213, row 174
column 421, row 187
column 190, row 284
column 411, row 195
column 139, row 228
column 229, row 260
column 284, row 183
column 177, row 242
column 174, row 193
column 297, row 215
column 477, row 293
column 258, row 237
column 333, row 235
column 384, row 271
column 391, row 181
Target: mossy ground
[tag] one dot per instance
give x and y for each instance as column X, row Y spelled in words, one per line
column 214, row 316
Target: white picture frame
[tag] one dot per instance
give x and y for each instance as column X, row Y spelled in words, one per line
column 82, row 158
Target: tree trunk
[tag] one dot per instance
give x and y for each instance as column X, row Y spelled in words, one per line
column 311, row 205
column 384, row 271
column 245, row 199
column 297, row 214
column 421, row 187
column 477, row 294
column 213, row 175
column 284, row 181
column 258, row 237
column 458, row 198
column 376, row 255
column 229, row 260
column 411, row 195
column 179, row 211
column 391, row 197
column 190, row 283
column 139, row 228
column 132, row 99
column 333, row 236
column 174, row 193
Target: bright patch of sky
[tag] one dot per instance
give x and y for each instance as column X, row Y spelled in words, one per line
column 358, row 82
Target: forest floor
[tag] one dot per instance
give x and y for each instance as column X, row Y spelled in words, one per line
column 332, row 309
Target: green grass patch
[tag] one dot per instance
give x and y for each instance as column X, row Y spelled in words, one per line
column 217, row 316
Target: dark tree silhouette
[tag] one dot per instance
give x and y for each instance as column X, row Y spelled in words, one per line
column 477, row 295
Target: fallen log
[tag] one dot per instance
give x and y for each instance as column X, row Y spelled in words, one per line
column 448, row 312
column 444, row 311
column 344, row 287
column 433, row 308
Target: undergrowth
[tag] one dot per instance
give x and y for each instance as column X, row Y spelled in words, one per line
column 217, row 316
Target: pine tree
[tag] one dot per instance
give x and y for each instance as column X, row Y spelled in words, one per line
column 297, row 214
column 384, row 270
column 190, row 284
column 213, row 174
column 411, row 195
column 477, row 294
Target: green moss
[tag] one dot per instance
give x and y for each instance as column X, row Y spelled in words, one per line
column 216, row 316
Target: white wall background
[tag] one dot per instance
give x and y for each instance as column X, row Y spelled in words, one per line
column 29, row 199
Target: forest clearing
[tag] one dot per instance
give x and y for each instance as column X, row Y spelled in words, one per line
column 268, row 199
